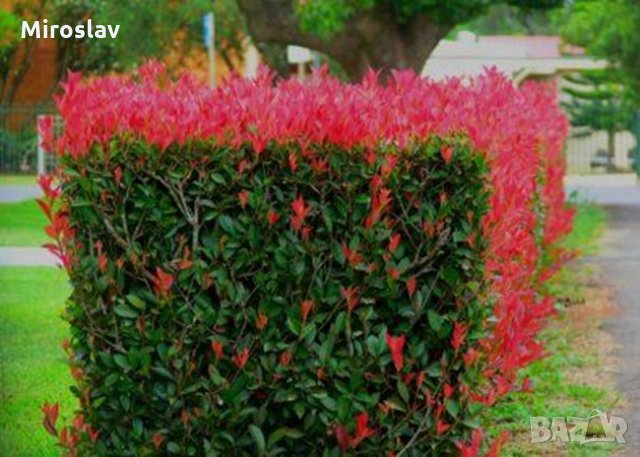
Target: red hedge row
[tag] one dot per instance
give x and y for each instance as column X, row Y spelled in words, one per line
column 519, row 131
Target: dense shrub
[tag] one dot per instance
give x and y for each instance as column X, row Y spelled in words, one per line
column 298, row 268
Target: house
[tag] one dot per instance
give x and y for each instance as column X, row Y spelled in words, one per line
column 540, row 58
column 520, row 57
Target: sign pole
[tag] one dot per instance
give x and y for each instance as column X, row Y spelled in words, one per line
column 209, row 42
column 42, row 168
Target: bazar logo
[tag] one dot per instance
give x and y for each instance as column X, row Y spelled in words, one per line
column 596, row 427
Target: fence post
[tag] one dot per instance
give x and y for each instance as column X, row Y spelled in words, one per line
column 42, row 169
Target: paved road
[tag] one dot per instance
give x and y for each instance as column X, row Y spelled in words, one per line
column 620, row 266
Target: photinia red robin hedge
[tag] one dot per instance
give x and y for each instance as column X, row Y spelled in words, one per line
column 301, row 269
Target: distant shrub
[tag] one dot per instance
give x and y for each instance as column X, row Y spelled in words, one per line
column 301, row 269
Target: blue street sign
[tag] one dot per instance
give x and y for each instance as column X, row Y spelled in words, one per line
column 207, row 20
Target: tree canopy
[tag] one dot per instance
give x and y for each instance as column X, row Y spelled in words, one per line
column 9, row 29
column 363, row 34
column 354, row 34
column 610, row 30
column 149, row 29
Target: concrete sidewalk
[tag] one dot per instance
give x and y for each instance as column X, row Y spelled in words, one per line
column 26, row 257
column 619, row 264
column 11, row 193
column 605, row 189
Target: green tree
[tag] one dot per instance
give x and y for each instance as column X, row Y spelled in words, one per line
column 505, row 19
column 610, row 30
column 147, row 29
column 599, row 101
column 9, row 40
column 85, row 55
column 18, row 63
column 362, row 34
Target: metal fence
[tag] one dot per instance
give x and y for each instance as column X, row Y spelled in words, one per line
column 19, row 138
column 597, row 151
column 587, row 151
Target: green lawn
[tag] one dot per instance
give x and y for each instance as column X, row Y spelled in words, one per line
column 22, row 224
column 18, row 179
column 588, row 226
column 32, row 364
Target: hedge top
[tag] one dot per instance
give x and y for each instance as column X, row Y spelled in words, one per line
column 489, row 109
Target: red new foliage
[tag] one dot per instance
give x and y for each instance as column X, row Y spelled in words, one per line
column 396, row 346
column 521, row 131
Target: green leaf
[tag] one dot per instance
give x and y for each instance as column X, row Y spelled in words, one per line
column 137, row 427
column 326, row 348
column 435, row 320
column 163, row 372
column 173, row 448
column 372, row 345
column 281, row 433
column 326, row 401
column 293, row 326
column 402, row 390
column 136, row 301
column 258, row 438
column 452, row 407
column 126, row 311
column 218, row 178
column 121, row 361
column 227, row 224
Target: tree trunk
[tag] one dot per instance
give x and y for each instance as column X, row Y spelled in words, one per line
column 275, row 55
column 15, row 77
column 372, row 38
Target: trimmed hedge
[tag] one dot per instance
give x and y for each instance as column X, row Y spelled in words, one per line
column 301, row 269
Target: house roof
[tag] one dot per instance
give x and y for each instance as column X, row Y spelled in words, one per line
column 516, row 56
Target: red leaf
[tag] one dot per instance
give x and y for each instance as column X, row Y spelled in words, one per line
column 362, row 429
column 157, row 439
column 272, row 217
column 285, row 358
column 350, row 294
column 411, row 286
column 300, row 213
column 241, row 358
column 459, row 334
column 261, row 321
column 342, row 437
column 396, row 346
column 394, row 242
column 447, row 153
column 117, row 175
column 305, row 308
column 46, row 208
column 162, row 282
column 243, row 196
column 50, row 417
column 218, row 349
